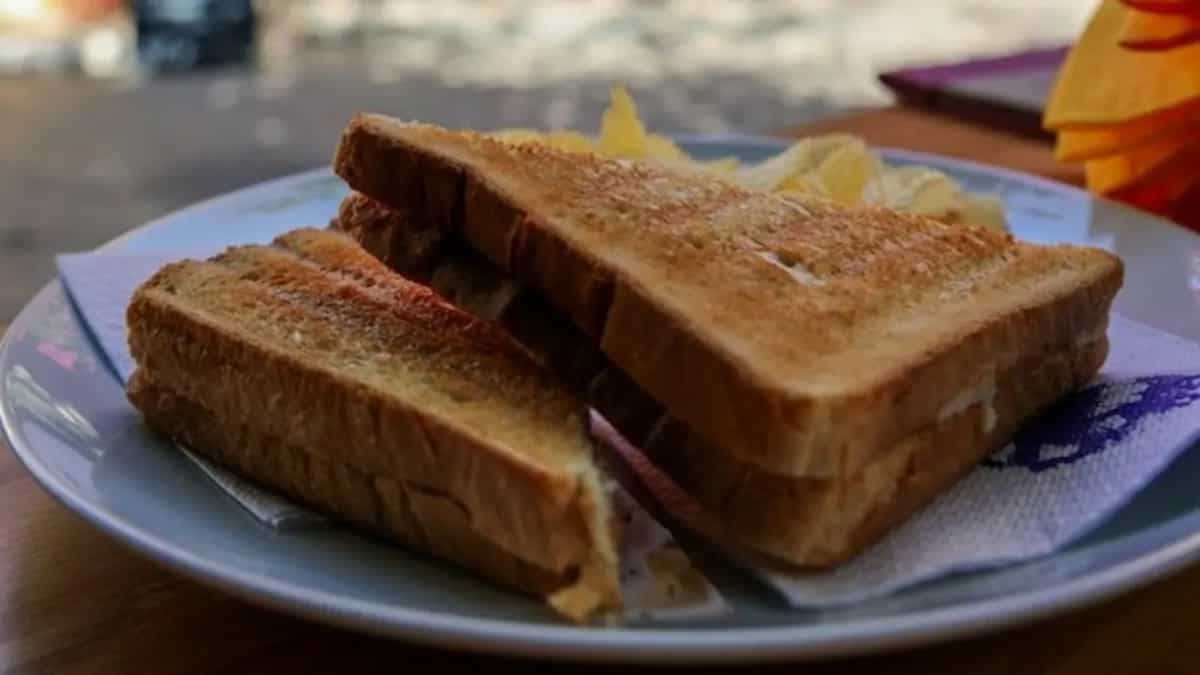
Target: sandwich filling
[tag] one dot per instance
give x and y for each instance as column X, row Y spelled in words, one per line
column 982, row 394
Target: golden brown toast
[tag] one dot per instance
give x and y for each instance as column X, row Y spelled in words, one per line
column 311, row 368
column 805, row 338
column 804, row 521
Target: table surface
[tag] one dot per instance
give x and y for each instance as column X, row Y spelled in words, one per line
column 82, row 161
column 74, row 601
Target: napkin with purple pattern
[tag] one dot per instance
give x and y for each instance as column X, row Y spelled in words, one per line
column 1062, row 475
column 657, row 579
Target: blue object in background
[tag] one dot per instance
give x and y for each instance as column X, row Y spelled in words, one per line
column 182, row 35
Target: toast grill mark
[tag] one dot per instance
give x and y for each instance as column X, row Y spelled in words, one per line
column 1094, row 420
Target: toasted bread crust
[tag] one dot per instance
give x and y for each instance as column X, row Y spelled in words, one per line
column 378, row 377
column 803, row 521
column 820, row 523
column 409, row 513
column 684, row 284
column 411, row 251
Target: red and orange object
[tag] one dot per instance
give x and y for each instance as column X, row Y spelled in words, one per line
column 1127, row 105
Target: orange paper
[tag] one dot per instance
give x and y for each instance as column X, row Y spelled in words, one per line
column 1089, row 142
column 1172, row 193
column 1102, row 83
column 1160, row 161
column 1164, row 6
column 1153, row 32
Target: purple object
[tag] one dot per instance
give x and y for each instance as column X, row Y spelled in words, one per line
column 1006, row 92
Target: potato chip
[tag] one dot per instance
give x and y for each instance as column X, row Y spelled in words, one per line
column 802, row 157
column 1152, row 32
column 726, row 165
column 936, row 198
column 803, row 188
column 846, row 172
column 834, row 167
column 661, row 147
column 772, row 172
column 919, row 189
column 571, row 141
column 986, row 210
column 1103, row 83
column 622, row 133
column 878, row 191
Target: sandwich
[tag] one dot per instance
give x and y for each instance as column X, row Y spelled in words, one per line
column 811, row 373
column 309, row 367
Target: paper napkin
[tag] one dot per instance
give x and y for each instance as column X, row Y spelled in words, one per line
column 657, row 579
column 1063, row 475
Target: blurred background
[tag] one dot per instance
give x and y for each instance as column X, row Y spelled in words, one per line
column 113, row 112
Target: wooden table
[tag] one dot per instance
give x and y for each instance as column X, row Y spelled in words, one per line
column 76, row 602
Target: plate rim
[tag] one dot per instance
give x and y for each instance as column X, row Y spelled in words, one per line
column 642, row 645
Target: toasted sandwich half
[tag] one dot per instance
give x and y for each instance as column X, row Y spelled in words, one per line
column 803, row 521
column 805, row 339
column 311, row 368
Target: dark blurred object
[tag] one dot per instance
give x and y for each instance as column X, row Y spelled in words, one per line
column 182, row 35
column 1007, row 93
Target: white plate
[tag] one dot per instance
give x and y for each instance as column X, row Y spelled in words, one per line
column 76, row 433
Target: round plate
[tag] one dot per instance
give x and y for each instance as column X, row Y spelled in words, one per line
column 74, row 430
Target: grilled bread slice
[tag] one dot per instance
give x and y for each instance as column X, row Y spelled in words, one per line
column 803, row 521
column 311, row 368
column 804, row 338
